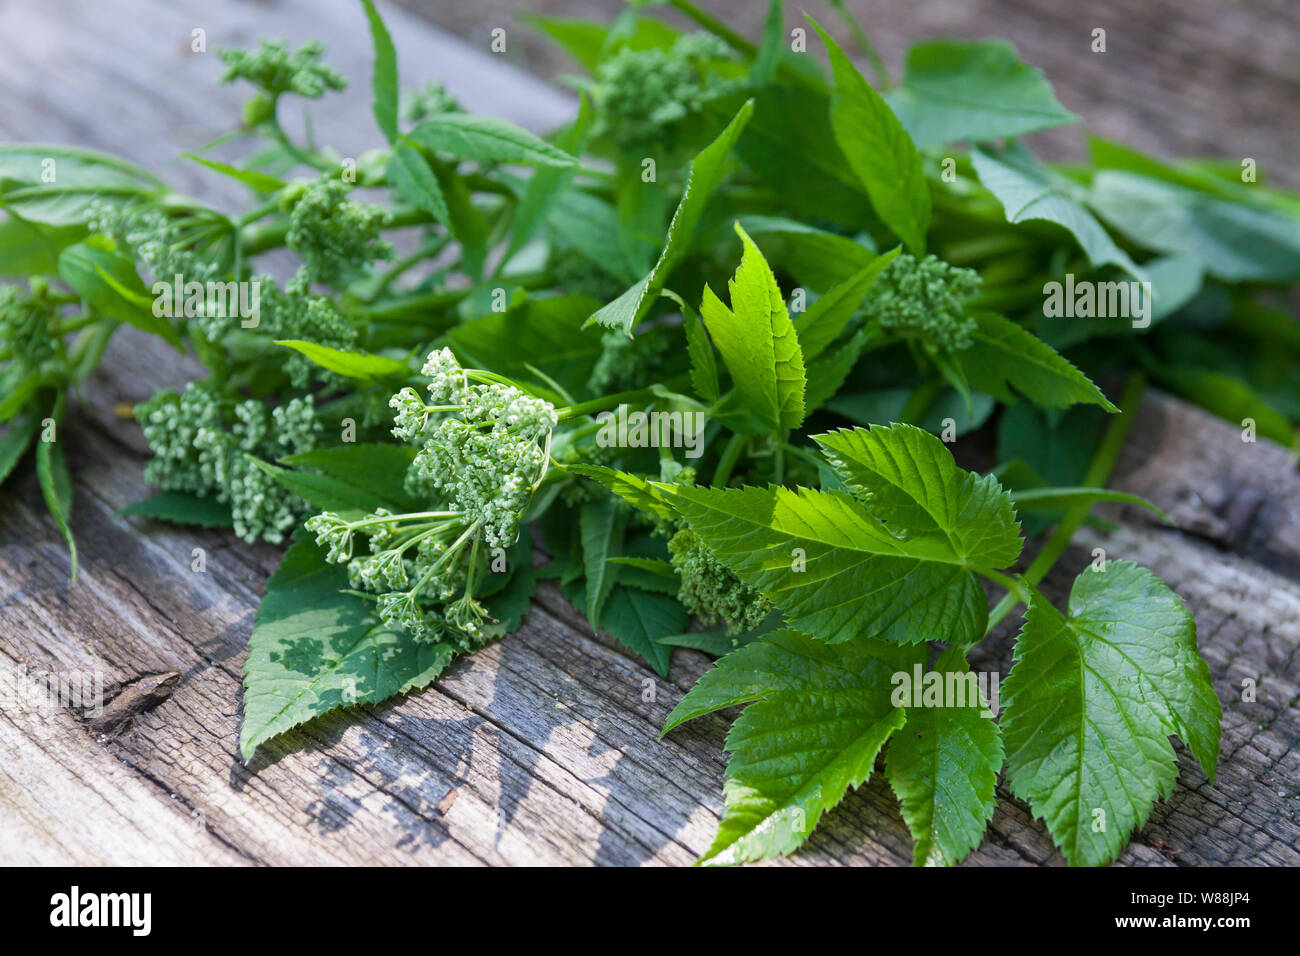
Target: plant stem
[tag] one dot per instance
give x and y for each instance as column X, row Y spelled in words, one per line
column 1103, row 463
column 730, row 454
column 922, row 397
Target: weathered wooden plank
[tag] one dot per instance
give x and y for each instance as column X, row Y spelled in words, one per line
column 541, row 749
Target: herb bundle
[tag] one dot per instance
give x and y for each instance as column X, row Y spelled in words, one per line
column 707, row 349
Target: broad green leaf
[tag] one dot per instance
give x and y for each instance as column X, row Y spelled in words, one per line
column 791, row 147
column 1235, row 242
column 1028, row 190
column 15, row 442
column 590, row 225
column 56, row 489
column 814, row 258
column 100, row 277
column 827, row 372
column 315, row 649
column 704, row 366
column 833, row 568
column 826, row 318
column 32, row 248
column 487, row 139
column 383, row 80
column 326, row 493
column 878, row 150
column 888, row 404
column 943, row 766
column 707, row 171
column 818, row 718
column 589, row 42
column 379, row 470
column 633, row 489
column 909, row 479
column 769, row 51
column 1055, row 499
column 17, row 385
column 410, row 175
column 638, row 619
column 543, row 333
column 362, row 365
column 260, row 182
column 757, row 342
column 181, row 507
column 548, row 182
column 600, row 523
column 1229, row 397
column 972, row 90
column 1091, row 702
column 1004, row 356
column 81, row 177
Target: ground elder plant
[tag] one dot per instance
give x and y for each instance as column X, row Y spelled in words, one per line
column 855, row 288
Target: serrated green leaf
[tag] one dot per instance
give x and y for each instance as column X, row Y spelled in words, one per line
column 815, row 258
column 825, row 319
column 88, row 270
column 706, row 172
column 1233, row 241
column 879, row 150
column 362, row 365
column 588, row 41
column 378, row 470
column 704, row 366
column 1028, row 190
column 487, row 139
column 633, row 489
column 638, row 619
column 56, row 489
column 773, row 45
column 260, row 182
column 908, row 478
column 972, row 90
column 548, row 183
column 180, row 507
column 1004, row 356
column 1091, row 702
column 827, row 372
column 383, row 79
column 790, row 145
column 601, row 528
column 943, row 766
column 833, row 568
column 820, row 715
column 315, row 649
column 757, row 342
column 326, row 493
column 32, row 248
column 15, row 442
column 410, row 175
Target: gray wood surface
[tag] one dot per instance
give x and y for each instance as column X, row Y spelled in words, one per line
column 540, row 749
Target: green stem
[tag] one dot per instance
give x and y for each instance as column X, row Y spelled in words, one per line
column 715, row 26
column 1103, row 463
column 730, row 454
column 922, row 397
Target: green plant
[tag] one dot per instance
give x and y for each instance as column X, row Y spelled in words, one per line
column 783, row 285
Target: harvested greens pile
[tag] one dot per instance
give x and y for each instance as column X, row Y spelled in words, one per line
column 706, row 348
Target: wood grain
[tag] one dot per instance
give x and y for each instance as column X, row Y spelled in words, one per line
column 541, row 749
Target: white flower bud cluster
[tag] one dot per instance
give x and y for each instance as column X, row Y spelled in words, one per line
column 487, row 451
